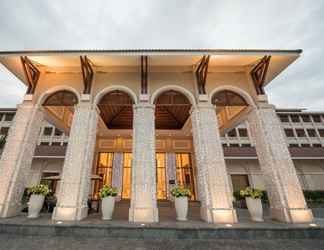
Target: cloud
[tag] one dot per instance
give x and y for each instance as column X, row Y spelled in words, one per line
column 288, row 24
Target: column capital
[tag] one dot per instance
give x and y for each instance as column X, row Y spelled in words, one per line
column 201, row 106
column 143, row 105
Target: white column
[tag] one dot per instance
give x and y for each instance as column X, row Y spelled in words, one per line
column 117, row 173
column 143, row 199
column 76, row 176
column 213, row 185
column 286, row 198
column 171, row 173
column 17, row 157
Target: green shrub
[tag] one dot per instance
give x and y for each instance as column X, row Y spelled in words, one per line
column 106, row 191
column 251, row 192
column 39, row 189
column 314, row 196
column 180, row 192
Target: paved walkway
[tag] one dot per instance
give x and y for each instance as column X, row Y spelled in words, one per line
column 93, row 233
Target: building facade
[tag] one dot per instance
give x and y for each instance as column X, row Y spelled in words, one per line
column 145, row 121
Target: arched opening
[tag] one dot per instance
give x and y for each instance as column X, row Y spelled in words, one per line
column 116, row 110
column 174, row 164
column 59, row 109
column 58, row 112
column 171, row 110
column 113, row 166
column 61, row 98
column 229, row 107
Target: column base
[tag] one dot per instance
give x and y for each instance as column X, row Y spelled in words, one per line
column 70, row 213
column 218, row 215
column 7, row 211
column 292, row 215
column 143, row 214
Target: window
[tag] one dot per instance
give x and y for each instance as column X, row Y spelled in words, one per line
column 9, row 117
column 184, row 172
column 289, row 132
column 56, row 144
column 316, row 118
column 321, row 132
column 239, row 181
column 58, row 132
column 232, row 133
column 65, row 144
column 283, row 118
column 4, row 130
column 44, row 143
column 224, row 145
column 304, row 145
column 311, row 132
column 305, row 118
column 317, row 145
column 234, row 145
column 1, row 115
column 246, row 145
column 300, row 133
column 293, row 145
column 48, row 131
column 104, row 170
column 243, row 132
column 294, row 118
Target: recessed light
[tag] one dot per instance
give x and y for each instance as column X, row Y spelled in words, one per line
column 313, row 225
column 59, row 222
column 228, row 225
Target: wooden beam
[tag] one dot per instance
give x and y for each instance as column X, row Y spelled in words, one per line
column 144, row 74
column 259, row 73
column 32, row 74
column 201, row 74
column 87, row 74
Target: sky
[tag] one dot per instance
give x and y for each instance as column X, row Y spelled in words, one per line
column 174, row 24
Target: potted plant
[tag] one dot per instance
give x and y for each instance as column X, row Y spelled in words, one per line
column 107, row 195
column 181, row 195
column 36, row 201
column 253, row 202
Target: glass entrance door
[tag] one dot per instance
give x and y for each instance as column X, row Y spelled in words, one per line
column 185, row 177
column 161, row 189
column 127, row 176
column 104, row 170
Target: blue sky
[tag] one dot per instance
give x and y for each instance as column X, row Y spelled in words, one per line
column 234, row 24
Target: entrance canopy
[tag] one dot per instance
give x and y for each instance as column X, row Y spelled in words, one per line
column 103, row 60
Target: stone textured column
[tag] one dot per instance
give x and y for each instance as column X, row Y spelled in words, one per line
column 117, row 173
column 143, row 199
column 171, row 173
column 17, row 157
column 76, row 176
column 287, row 202
column 213, row 185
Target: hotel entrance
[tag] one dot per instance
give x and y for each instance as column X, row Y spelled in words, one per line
column 184, row 174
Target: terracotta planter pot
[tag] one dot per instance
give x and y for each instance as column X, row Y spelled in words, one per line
column 181, row 206
column 35, row 205
column 255, row 208
column 107, row 207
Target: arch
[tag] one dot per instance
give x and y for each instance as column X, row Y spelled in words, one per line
column 55, row 89
column 61, row 98
column 106, row 90
column 182, row 90
column 242, row 93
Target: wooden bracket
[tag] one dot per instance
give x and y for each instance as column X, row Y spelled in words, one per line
column 32, row 74
column 259, row 73
column 144, row 74
column 87, row 74
column 201, row 74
